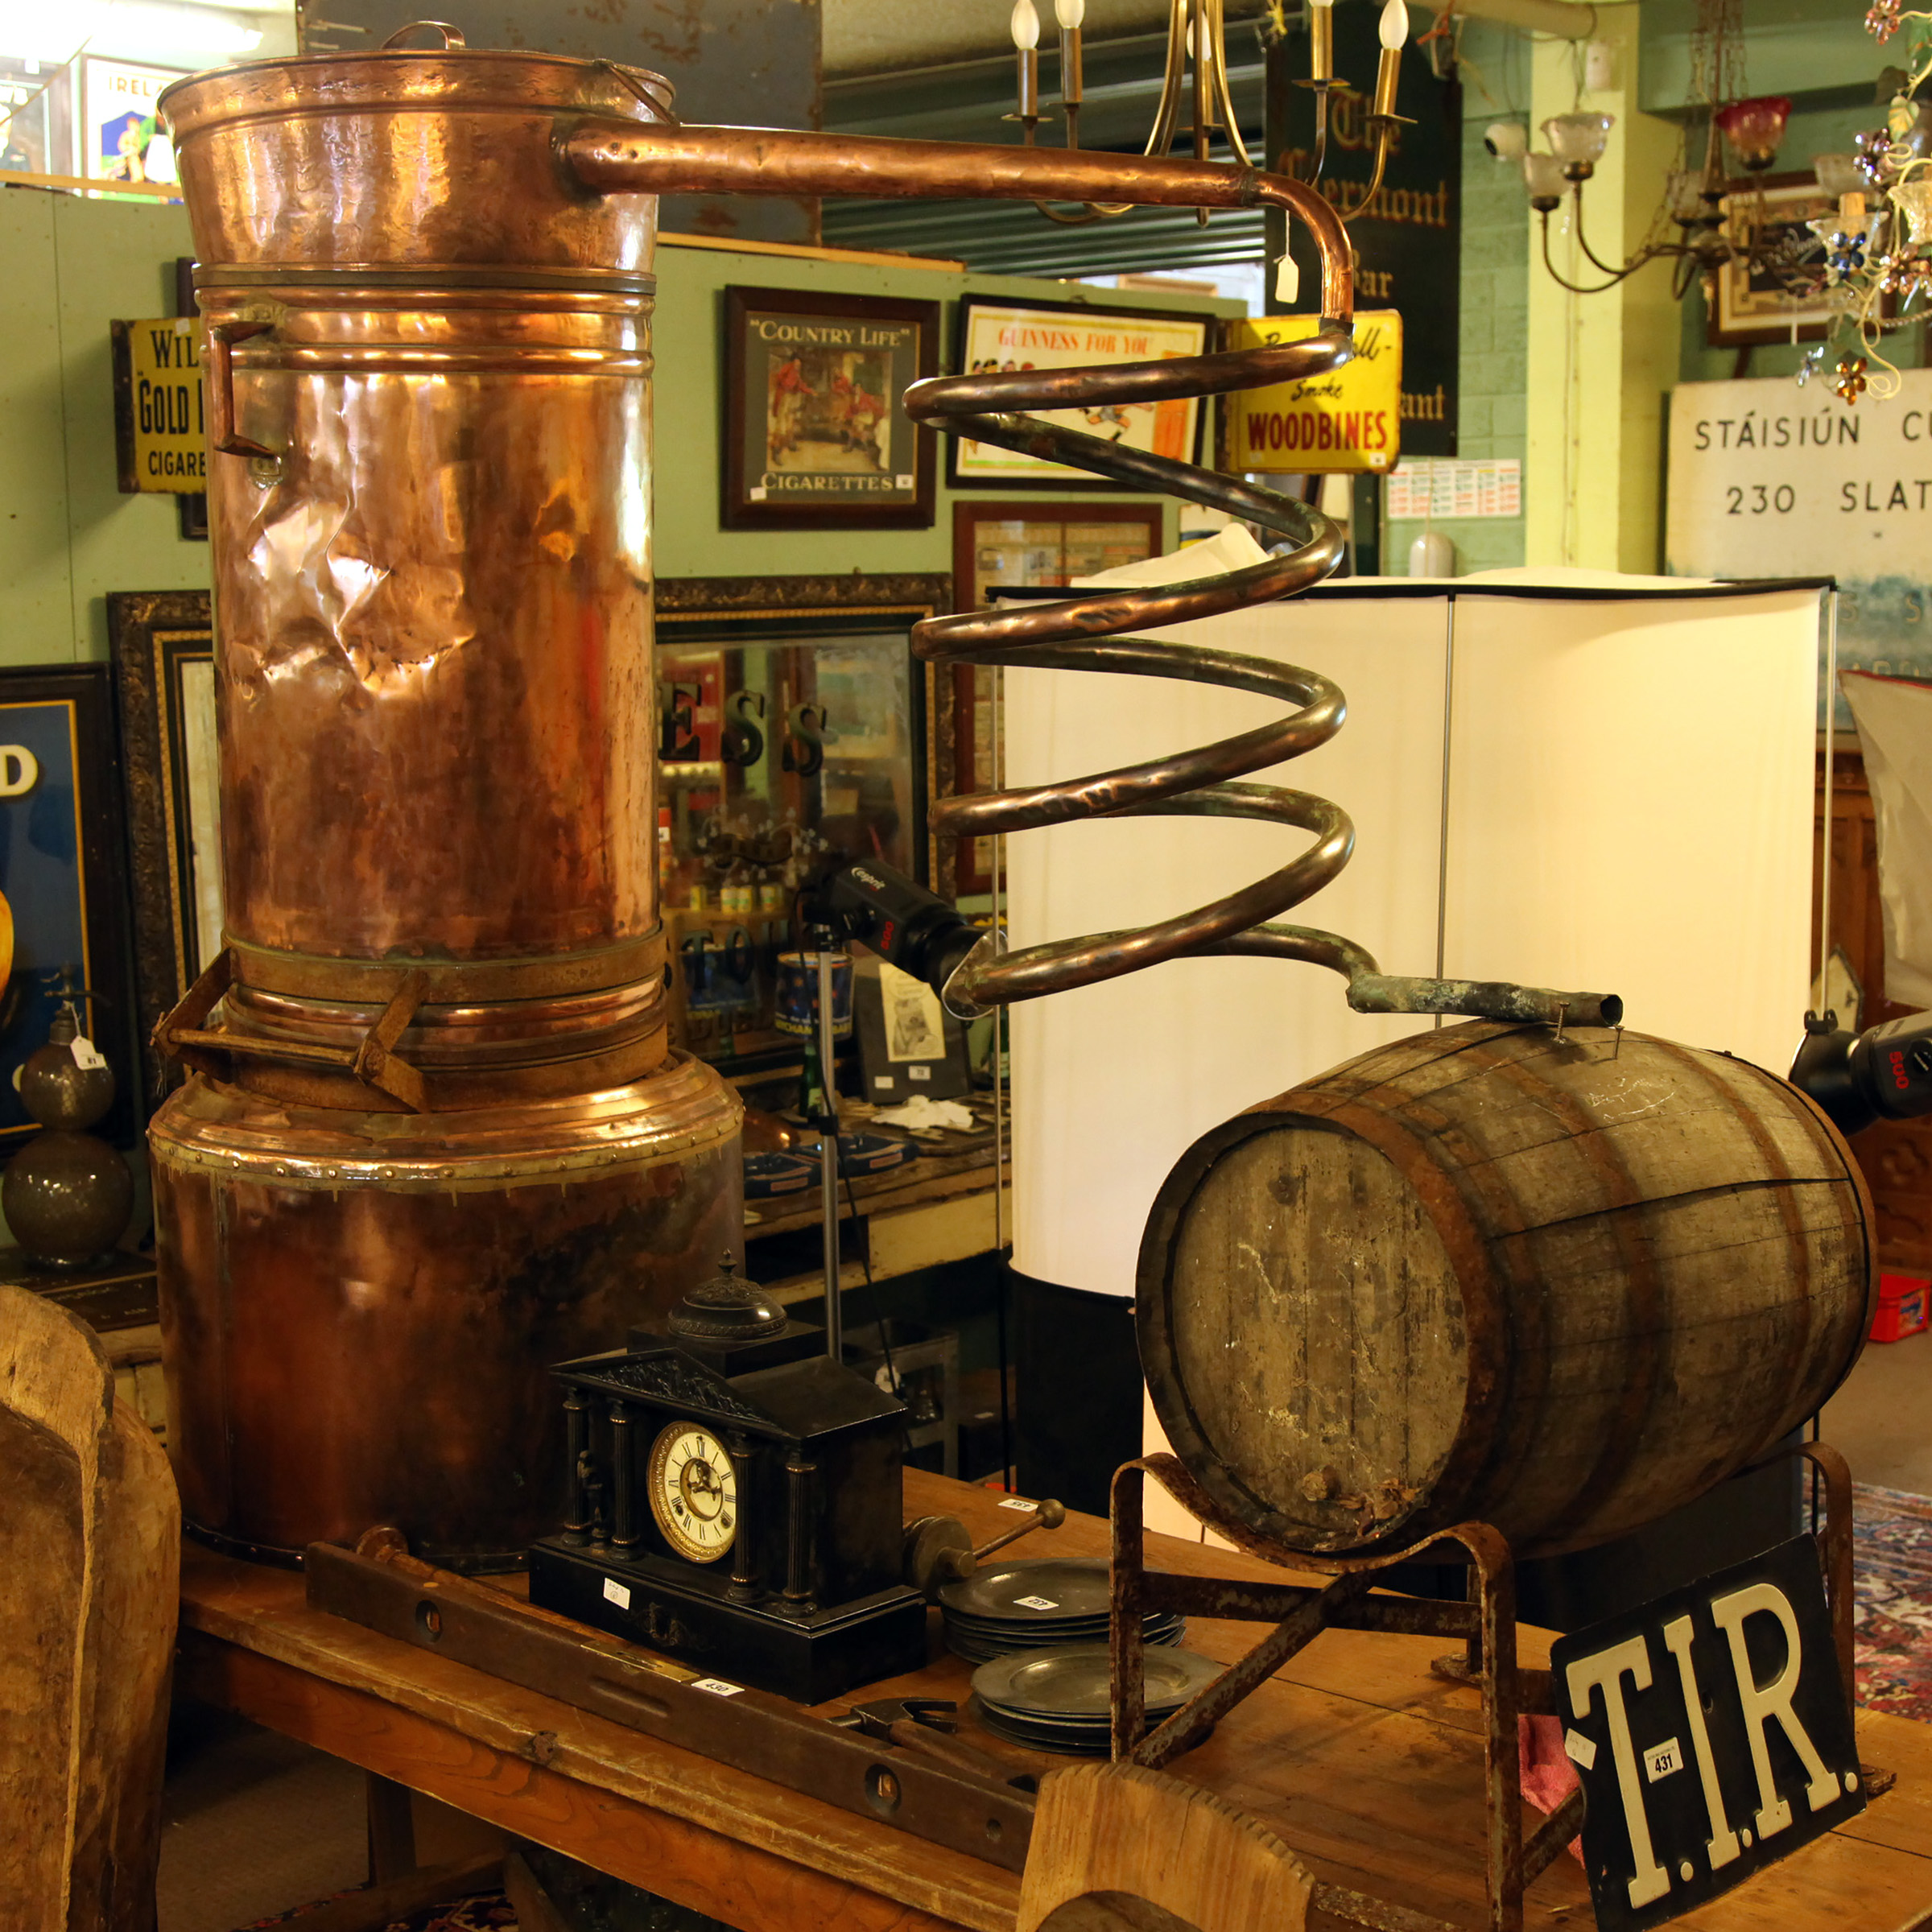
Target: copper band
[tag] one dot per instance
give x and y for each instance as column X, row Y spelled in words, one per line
column 451, row 982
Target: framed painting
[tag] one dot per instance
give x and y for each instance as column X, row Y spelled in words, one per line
column 63, row 874
column 792, row 735
column 164, row 671
column 1028, row 544
column 1779, row 295
column 996, row 338
column 815, row 437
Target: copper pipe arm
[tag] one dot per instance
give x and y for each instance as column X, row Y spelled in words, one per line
column 623, row 157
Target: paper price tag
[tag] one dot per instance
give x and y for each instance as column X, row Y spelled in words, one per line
column 1036, row 1602
column 87, row 1056
column 616, row 1593
column 1019, row 1502
column 717, row 1686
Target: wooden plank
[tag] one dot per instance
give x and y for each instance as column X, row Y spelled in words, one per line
column 262, row 1611
column 375, row 1907
column 1355, row 1756
column 925, row 1180
column 927, row 1236
column 152, row 191
column 743, row 1884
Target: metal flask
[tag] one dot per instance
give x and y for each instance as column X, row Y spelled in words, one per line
column 432, row 1139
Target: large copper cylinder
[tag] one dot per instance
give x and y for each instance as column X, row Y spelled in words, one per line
column 427, row 360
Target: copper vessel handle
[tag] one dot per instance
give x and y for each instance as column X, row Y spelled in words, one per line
column 452, row 36
column 222, row 435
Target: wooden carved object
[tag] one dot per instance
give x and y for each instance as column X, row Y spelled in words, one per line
column 89, row 1560
column 1118, row 1849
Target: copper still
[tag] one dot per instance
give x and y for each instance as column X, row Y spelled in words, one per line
column 432, row 1140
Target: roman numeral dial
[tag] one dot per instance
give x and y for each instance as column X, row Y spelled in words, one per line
column 694, row 1492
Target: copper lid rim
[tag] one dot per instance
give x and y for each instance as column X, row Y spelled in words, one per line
column 372, row 281
column 385, row 62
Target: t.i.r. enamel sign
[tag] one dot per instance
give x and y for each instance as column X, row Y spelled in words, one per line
column 1712, row 1734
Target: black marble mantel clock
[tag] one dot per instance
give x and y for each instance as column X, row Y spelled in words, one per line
column 749, row 1525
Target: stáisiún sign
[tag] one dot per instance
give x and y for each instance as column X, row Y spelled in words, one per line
column 1769, row 479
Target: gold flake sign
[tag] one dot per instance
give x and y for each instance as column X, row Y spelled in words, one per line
column 1349, row 419
column 160, row 419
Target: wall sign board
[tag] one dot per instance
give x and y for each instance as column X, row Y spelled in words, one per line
column 1768, row 480
column 160, row 418
column 1348, row 419
column 1712, row 1734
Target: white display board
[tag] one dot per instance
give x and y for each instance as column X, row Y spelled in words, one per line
column 1769, row 479
column 1629, row 811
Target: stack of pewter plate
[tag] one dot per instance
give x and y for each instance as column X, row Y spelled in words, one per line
column 1058, row 1700
column 1004, row 1609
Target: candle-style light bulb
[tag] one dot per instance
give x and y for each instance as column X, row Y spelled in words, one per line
column 1026, row 40
column 1321, row 40
column 1069, row 13
column 1394, row 30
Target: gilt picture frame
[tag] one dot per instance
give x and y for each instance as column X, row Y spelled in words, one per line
column 163, row 646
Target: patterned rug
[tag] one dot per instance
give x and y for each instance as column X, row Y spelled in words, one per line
column 488, row 1912
column 1892, row 1562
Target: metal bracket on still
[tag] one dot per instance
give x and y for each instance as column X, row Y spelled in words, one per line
column 184, row 1036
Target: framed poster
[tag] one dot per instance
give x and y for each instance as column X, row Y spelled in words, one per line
column 121, row 138
column 815, row 437
column 1785, row 289
column 63, row 873
column 164, row 671
column 1029, row 543
column 1011, row 336
column 792, row 734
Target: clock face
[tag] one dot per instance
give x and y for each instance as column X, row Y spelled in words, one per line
column 694, row 1492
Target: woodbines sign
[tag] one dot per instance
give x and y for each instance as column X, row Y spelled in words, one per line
column 1349, row 419
column 1768, row 480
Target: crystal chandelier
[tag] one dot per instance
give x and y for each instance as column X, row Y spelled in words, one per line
column 1870, row 261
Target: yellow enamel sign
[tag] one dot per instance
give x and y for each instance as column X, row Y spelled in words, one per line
column 160, row 421
column 1348, row 419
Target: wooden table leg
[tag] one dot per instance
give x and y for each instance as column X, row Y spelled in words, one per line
column 392, row 1828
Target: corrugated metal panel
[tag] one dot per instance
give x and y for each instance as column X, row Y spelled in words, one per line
column 1014, row 238
column 968, row 100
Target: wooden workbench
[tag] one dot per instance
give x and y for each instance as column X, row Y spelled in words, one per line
column 1358, row 1758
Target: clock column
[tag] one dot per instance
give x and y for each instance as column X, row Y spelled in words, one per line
column 743, row 1585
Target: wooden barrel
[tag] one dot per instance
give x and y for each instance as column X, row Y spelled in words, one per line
column 1478, row 1274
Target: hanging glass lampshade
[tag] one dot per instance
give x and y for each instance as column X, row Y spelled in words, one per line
column 1840, row 174
column 1913, row 200
column 1754, row 128
column 1578, row 141
column 1543, row 176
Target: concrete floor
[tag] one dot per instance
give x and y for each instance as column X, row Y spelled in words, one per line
column 1882, row 1417
column 253, row 1823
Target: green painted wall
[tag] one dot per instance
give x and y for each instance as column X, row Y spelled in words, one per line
column 68, row 536
column 68, row 267
column 1493, row 349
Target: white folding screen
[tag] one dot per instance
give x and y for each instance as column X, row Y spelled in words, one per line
column 1629, row 811
column 1629, row 803
column 1111, row 1083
